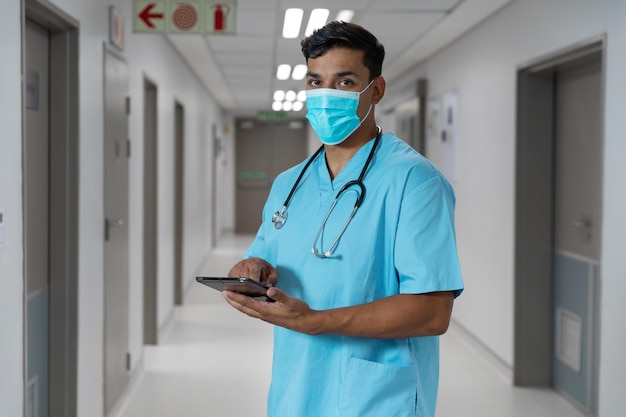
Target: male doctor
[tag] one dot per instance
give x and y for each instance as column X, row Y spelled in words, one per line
column 362, row 257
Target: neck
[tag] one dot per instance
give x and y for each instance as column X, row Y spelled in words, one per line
column 337, row 156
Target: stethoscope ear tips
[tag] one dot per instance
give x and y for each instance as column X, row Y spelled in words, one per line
column 325, row 255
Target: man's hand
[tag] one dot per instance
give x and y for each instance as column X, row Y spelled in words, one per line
column 397, row 316
column 289, row 312
column 257, row 269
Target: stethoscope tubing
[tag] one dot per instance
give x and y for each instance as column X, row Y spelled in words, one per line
column 280, row 217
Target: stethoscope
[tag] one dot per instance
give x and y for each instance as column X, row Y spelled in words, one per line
column 280, row 217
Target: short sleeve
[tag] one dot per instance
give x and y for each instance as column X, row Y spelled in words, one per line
column 426, row 256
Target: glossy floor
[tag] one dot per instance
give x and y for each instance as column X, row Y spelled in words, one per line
column 215, row 362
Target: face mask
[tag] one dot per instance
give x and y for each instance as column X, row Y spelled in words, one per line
column 332, row 113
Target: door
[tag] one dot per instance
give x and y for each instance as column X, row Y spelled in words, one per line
column 50, row 211
column 578, row 195
column 557, row 223
column 115, row 227
column 36, row 217
column 262, row 152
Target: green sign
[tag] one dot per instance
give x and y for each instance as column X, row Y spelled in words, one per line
column 271, row 116
column 252, row 175
column 189, row 16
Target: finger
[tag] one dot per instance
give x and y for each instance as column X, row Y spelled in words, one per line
column 243, row 303
column 269, row 274
column 248, row 268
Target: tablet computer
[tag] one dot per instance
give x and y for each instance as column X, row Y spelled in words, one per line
column 245, row 286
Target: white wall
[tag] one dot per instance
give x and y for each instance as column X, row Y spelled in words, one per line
column 11, row 272
column 150, row 56
column 482, row 67
column 225, row 177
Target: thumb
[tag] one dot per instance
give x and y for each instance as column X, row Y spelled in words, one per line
column 277, row 295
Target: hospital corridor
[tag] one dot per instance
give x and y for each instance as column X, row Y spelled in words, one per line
column 389, row 166
column 213, row 361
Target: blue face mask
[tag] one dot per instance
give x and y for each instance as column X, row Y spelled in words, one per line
column 332, row 113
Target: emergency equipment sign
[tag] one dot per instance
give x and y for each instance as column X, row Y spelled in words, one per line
column 190, row 16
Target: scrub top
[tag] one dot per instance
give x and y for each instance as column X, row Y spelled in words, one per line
column 400, row 241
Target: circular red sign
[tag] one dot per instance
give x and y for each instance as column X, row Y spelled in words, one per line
column 185, row 16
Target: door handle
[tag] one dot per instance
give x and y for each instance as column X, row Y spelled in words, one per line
column 582, row 223
column 116, row 223
column 109, row 224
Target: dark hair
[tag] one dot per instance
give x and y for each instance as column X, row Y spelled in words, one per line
column 346, row 35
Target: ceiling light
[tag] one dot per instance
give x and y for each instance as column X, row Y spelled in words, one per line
column 277, row 105
column 283, row 71
column 287, row 105
column 291, row 25
column 317, row 19
column 301, row 95
column 279, row 95
column 290, row 95
column 299, row 71
column 345, row 16
column 298, row 105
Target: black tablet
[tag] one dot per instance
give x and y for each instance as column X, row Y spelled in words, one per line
column 244, row 286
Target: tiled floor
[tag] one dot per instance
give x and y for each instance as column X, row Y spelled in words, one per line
column 215, row 362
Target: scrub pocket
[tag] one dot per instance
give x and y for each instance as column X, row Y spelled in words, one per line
column 372, row 389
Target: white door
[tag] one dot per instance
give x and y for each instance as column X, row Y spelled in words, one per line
column 578, row 196
column 115, row 228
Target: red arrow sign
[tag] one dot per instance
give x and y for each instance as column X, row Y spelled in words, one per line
column 145, row 15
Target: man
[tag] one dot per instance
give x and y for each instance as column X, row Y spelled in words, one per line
column 358, row 319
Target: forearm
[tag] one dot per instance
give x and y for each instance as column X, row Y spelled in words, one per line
column 398, row 316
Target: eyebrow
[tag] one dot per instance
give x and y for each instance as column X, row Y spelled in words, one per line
column 337, row 74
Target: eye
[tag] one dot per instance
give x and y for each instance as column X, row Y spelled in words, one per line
column 345, row 83
column 313, row 82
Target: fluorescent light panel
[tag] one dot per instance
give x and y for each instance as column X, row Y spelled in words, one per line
column 283, row 71
column 279, row 95
column 292, row 23
column 299, row 72
column 290, row 95
column 317, row 19
column 295, row 100
column 345, row 15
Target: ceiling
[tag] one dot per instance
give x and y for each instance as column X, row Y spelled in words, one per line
column 240, row 70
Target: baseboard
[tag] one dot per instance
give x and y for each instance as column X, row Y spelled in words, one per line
column 483, row 349
column 135, row 377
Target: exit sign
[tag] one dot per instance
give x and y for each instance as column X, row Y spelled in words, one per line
column 271, row 116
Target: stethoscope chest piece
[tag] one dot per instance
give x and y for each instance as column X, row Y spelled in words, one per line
column 280, row 217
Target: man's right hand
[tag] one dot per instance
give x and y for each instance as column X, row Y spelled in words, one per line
column 257, row 269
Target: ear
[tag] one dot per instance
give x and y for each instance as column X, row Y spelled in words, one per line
column 378, row 89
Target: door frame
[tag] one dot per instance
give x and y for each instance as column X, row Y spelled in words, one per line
column 150, row 212
column 179, row 198
column 64, row 198
column 534, row 208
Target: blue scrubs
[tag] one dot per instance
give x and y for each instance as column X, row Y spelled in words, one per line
column 401, row 241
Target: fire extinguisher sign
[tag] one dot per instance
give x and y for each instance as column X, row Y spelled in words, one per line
column 220, row 17
column 184, row 16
